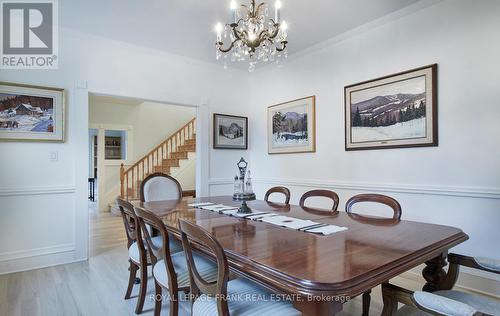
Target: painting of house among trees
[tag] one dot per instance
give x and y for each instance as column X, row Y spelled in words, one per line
column 290, row 127
column 26, row 113
column 394, row 111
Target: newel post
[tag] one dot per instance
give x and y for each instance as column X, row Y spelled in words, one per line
column 122, row 177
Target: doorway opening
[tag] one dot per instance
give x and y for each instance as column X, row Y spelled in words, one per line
column 130, row 139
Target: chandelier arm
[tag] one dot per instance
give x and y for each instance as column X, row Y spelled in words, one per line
column 284, row 43
column 226, row 50
column 237, row 34
column 275, row 31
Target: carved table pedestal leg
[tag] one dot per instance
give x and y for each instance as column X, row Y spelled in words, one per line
column 434, row 274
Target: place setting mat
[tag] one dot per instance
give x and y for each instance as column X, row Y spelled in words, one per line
column 272, row 218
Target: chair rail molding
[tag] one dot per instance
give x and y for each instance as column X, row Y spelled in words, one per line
column 45, row 190
column 459, row 191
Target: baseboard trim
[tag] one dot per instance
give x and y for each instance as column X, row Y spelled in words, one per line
column 18, row 261
column 47, row 190
column 43, row 251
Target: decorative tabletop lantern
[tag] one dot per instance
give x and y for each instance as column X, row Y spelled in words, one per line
column 243, row 189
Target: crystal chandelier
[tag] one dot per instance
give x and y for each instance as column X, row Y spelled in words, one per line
column 252, row 35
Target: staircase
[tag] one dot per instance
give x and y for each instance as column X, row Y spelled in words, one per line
column 161, row 159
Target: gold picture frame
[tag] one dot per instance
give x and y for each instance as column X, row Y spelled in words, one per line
column 291, row 126
column 31, row 113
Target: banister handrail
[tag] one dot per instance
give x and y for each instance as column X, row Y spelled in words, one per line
column 161, row 145
column 147, row 162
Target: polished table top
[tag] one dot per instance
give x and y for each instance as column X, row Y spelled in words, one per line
column 371, row 251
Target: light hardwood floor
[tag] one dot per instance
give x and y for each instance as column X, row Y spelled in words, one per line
column 97, row 286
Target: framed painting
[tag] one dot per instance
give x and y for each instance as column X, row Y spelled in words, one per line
column 230, row 132
column 395, row 111
column 31, row 113
column 291, row 126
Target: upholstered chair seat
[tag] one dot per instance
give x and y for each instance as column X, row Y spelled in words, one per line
column 240, row 292
column 488, row 263
column 455, row 302
column 446, row 301
column 133, row 251
column 207, row 269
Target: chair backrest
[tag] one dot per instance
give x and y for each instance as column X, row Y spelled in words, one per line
column 376, row 198
column 281, row 190
column 218, row 289
column 128, row 217
column 159, row 187
column 324, row 193
column 156, row 252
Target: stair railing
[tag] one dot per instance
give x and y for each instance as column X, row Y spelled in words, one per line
column 131, row 177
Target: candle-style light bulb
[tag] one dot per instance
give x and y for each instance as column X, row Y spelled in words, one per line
column 277, row 11
column 283, row 26
column 233, row 5
column 218, row 29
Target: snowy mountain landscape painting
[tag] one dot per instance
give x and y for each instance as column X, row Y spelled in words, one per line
column 230, row 132
column 395, row 111
column 30, row 113
column 291, row 126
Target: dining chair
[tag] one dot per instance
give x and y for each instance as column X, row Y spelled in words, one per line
column 323, row 193
column 170, row 270
column 213, row 297
column 375, row 198
column 445, row 301
column 136, row 252
column 160, row 186
column 281, row 190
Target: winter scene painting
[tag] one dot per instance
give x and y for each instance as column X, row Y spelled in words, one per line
column 394, row 111
column 30, row 113
column 292, row 126
column 230, row 132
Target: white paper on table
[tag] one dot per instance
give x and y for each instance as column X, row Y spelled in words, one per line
column 261, row 217
column 254, row 213
column 288, row 222
column 327, row 230
column 218, row 207
column 200, row 204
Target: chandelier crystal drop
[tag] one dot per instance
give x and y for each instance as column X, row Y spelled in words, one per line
column 252, row 36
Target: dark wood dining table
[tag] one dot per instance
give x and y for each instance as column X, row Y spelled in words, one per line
column 318, row 273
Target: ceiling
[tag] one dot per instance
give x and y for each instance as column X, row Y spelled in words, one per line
column 186, row 27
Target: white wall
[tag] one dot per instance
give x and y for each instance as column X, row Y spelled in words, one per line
column 147, row 125
column 456, row 183
column 34, row 190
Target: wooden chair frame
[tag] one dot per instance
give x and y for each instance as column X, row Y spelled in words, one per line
column 376, row 198
column 217, row 289
column 145, row 218
column 133, row 232
column 392, row 294
column 323, row 193
column 159, row 174
column 283, row 190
